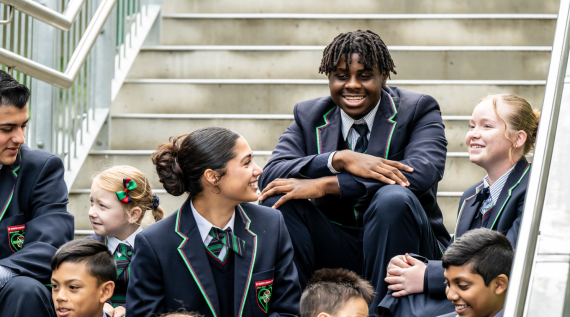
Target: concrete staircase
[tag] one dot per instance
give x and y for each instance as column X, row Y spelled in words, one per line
column 244, row 65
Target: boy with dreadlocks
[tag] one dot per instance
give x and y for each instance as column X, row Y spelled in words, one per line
column 369, row 158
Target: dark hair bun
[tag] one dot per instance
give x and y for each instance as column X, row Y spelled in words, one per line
column 169, row 172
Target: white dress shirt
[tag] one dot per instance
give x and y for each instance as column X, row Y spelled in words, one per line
column 495, row 190
column 349, row 134
column 204, row 226
column 113, row 243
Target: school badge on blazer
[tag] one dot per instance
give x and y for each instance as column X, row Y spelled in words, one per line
column 16, row 237
column 263, row 292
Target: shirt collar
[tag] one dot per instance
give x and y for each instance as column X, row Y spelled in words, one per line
column 498, row 185
column 113, row 242
column 348, row 121
column 204, row 225
column 499, row 314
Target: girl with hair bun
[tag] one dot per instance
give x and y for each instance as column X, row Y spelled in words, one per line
column 502, row 130
column 120, row 197
column 218, row 255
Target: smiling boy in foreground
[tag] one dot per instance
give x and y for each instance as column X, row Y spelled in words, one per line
column 477, row 268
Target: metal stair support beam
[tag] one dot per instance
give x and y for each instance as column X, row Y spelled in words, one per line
column 47, row 14
column 534, row 201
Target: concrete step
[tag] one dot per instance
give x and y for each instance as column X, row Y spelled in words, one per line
column 79, row 207
column 459, row 174
column 321, row 29
column 302, row 62
column 250, row 96
column 364, row 6
column 146, row 131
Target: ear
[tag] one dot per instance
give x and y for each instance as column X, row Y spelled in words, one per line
column 324, row 315
column 520, row 139
column 107, row 290
column 501, row 284
column 135, row 215
column 384, row 79
column 211, row 177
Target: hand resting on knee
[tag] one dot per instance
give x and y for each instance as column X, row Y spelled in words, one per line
column 405, row 275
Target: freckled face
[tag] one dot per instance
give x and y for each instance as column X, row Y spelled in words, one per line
column 356, row 89
column 240, row 181
column 107, row 213
column 486, row 141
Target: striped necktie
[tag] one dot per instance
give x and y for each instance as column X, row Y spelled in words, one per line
column 227, row 238
column 123, row 255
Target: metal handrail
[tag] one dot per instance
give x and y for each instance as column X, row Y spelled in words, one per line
column 52, row 76
column 529, row 229
column 61, row 21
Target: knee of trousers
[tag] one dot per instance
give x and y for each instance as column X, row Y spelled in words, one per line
column 25, row 286
column 391, row 204
column 296, row 208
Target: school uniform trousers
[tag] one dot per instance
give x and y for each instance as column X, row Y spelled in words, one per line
column 505, row 217
column 171, row 269
column 370, row 221
column 34, row 223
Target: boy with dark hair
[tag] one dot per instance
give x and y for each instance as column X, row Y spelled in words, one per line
column 355, row 175
column 83, row 278
column 336, row 292
column 34, row 221
column 477, row 269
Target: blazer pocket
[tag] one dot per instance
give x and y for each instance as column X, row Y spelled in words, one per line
column 260, row 291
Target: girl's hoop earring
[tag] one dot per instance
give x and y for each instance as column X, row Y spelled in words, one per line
column 219, row 190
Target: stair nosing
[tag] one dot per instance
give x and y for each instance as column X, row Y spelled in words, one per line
column 325, row 82
column 486, row 16
column 421, row 48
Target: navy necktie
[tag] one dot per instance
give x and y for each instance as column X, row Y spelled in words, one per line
column 482, row 195
column 362, row 142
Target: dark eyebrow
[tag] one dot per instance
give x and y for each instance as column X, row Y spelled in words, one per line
column 341, row 69
column 12, row 124
column 246, row 157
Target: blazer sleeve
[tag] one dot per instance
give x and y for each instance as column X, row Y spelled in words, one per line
column 145, row 293
column 49, row 227
column 290, row 160
column 435, row 279
column 286, row 290
column 425, row 152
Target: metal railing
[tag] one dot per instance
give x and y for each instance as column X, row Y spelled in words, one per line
column 529, row 229
column 74, row 62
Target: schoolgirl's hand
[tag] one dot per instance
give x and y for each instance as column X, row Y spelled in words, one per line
column 399, row 261
column 369, row 166
column 295, row 188
column 120, row 311
column 109, row 309
column 409, row 280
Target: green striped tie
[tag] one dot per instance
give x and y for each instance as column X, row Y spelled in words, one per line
column 227, row 238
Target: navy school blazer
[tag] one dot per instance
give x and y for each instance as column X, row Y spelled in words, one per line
column 34, row 221
column 170, row 269
column 505, row 218
column 407, row 128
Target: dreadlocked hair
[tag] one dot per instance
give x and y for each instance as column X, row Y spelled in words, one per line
column 372, row 52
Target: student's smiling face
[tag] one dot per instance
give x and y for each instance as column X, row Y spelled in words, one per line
column 467, row 291
column 239, row 183
column 485, row 140
column 13, row 123
column 107, row 214
column 76, row 293
column 355, row 89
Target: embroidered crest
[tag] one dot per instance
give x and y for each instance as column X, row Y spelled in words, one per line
column 263, row 292
column 16, row 237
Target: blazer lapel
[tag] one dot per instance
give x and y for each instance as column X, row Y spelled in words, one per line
column 466, row 214
column 384, row 125
column 195, row 257
column 244, row 264
column 328, row 133
column 513, row 181
column 8, row 177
